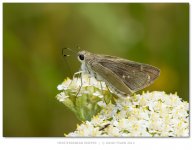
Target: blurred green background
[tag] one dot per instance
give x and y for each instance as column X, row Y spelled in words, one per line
column 34, row 34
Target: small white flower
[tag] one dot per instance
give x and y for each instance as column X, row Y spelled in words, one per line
column 98, row 94
column 123, row 124
column 87, row 129
column 96, row 120
column 101, row 104
column 61, row 96
column 60, row 87
column 113, row 131
column 64, row 85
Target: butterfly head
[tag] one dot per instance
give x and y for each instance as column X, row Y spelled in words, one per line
column 82, row 55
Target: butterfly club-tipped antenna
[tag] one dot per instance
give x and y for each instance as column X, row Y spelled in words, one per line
column 65, row 49
column 66, row 55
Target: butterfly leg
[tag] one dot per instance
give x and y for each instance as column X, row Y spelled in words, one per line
column 102, row 90
column 79, row 72
column 81, row 79
column 112, row 96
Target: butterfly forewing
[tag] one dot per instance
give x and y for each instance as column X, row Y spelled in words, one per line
column 134, row 75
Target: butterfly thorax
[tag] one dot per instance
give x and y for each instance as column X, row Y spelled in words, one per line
column 86, row 68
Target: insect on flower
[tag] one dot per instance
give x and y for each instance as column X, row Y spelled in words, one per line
column 122, row 76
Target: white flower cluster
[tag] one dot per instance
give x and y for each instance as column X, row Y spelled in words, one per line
column 82, row 96
column 74, row 85
column 150, row 114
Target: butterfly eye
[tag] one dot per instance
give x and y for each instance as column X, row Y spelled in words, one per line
column 81, row 57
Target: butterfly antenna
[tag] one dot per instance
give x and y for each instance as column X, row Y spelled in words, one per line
column 65, row 55
column 64, row 49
